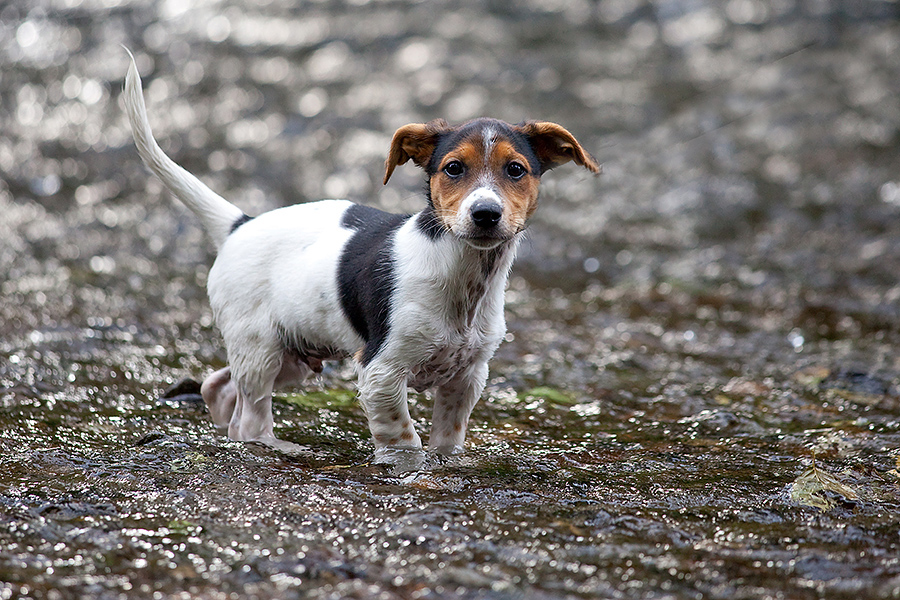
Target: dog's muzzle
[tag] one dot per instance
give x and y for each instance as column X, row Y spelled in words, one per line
column 482, row 220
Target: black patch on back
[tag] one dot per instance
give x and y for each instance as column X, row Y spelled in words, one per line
column 240, row 221
column 366, row 274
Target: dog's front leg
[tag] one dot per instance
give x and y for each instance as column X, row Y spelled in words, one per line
column 453, row 404
column 382, row 393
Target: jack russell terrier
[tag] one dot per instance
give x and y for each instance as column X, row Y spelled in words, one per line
column 416, row 300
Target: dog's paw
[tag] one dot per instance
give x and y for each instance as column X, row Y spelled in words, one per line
column 400, row 459
column 448, row 450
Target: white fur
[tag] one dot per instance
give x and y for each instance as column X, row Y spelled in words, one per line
column 278, row 268
column 446, row 320
column 489, row 136
column 443, row 333
column 483, row 192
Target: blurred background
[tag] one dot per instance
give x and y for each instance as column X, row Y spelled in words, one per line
column 687, row 330
column 745, row 143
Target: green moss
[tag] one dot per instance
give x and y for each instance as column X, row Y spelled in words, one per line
column 552, row 395
column 336, row 398
column 183, row 527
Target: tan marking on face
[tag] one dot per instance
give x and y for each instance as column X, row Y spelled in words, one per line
column 447, row 193
column 486, row 165
column 519, row 195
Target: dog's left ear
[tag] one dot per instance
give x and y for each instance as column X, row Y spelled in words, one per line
column 555, row 146
column 415, row 141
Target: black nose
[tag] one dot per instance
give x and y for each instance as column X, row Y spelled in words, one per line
column 486, row 214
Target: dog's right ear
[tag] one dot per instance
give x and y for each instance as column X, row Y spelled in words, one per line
column 415, row 141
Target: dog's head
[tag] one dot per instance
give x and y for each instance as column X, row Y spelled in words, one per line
column 483, row 176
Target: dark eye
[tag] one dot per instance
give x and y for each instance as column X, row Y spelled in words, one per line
column 515, row 170
column 454, row 169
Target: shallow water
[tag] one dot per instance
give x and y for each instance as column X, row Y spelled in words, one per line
column 690, row 333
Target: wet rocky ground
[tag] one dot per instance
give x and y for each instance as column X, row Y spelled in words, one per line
column 698, row 396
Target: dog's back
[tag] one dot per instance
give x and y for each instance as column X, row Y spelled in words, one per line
column 274, row 278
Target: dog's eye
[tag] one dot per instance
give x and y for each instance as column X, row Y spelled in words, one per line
column 515, row 170
column 454, row 169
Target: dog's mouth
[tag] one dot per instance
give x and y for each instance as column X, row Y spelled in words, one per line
column 487, row 240
column 490, row 238
column 484, row 243
column 482, row 238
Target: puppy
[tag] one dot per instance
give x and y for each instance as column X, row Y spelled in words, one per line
column 416, row 300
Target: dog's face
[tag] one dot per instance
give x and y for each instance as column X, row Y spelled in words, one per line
column 484, row 175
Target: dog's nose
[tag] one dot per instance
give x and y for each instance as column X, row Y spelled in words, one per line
column 486, row 214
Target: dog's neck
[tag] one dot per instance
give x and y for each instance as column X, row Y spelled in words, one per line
column 467, row 280
column 482, row 278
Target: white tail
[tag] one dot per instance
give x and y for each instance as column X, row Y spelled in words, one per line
column 217, row 214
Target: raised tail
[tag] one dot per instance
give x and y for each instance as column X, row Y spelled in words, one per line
column 218, row 215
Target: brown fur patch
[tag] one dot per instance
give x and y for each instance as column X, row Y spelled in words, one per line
column 415, row 141
column 555, row 146
column 447, row 193
column 358, row 355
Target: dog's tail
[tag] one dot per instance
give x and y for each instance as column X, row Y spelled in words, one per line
column 218, row 215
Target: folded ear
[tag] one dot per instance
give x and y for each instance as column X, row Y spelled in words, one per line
column 555, row 146
column 415, row 141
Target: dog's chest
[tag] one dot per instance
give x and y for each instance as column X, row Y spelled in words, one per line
column 446, row 320
column 446, row 362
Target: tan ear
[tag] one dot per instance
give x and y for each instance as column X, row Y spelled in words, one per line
column 555, row 146
column 415, row 141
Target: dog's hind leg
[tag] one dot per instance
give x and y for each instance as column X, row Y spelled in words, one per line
column 220, row 394
column 255, row 360
column 252, row 417
column 251, row 420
